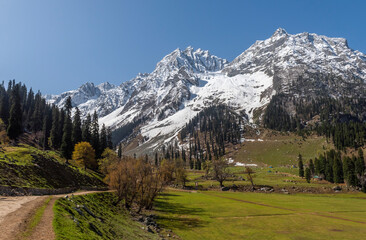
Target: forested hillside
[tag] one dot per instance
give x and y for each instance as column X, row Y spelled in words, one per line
column 49, row 126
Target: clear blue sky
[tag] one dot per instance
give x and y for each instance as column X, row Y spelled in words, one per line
column 55, row 46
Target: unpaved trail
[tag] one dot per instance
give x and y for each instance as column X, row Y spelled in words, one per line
column 16, row 212
column 44, row 229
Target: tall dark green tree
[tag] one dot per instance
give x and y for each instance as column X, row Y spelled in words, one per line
column 103, row 138
column 45, row 132
column 54, row 135
column 119, row 151
column 349, row 171
column 61, row 123
column 4, row 104
column 76, row 127
column 312, row 167
column 109, row 138
column 95, row 135
column 360, row 164
column 37, row 115
column 15, row 127
column 86, row 129
column 338, row 169
column 301, row 166
column 67, row 144
column 307, row 174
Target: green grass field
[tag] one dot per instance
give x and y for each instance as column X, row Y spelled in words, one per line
column 275, row 177
column 229, row 215
column 281, row 150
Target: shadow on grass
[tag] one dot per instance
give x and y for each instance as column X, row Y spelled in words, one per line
column 181, row 223
column 177, row 215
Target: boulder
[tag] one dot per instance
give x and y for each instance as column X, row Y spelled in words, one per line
column 225, row 189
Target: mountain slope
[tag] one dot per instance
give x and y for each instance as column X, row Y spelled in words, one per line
column 184, row 82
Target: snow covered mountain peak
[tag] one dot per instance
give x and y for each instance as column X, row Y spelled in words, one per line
column 288, row 56
column 186, row 81
column 280, row 32
column 193, row 61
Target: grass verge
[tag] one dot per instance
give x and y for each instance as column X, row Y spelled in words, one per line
column 94, row 216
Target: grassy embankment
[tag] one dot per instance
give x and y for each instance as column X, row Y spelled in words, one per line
column 110, row 221
column 27, row 166
column 229, row 215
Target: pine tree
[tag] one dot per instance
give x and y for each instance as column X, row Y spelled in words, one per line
column 15, row 127
column 109, row 138
column 338, row 169
column 67, row 144
column 55, row 128
column 349, row 171
column 4, row 105
column 312, row 167
column 86, row 129
column 61, row 124
column 360, row 164
column 119, row 151
column 307, row 175
column 46, row 131
column 301, row 166
column 103, row 138
column 76, row 127
column 95, row 135
column 68, row 106
column 36, row 119
column 156, row 159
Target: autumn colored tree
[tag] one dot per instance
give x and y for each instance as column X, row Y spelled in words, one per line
column 109, row 159
column 181, row 176
column 135, row 182
column 85, row 154
column 167, row 169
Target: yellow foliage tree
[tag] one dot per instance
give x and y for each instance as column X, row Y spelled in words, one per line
column 84, row 154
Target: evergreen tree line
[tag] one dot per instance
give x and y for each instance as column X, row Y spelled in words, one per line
column 335, row 169
column 341, row 120
column 206, row 135
column 50, row 126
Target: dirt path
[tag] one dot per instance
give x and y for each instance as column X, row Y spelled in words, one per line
column 16, row 212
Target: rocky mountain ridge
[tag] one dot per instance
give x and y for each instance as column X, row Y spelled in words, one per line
column 186, row 81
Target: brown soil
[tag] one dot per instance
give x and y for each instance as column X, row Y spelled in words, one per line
column 16, row 222
column 44, row 229
column 16, row 213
